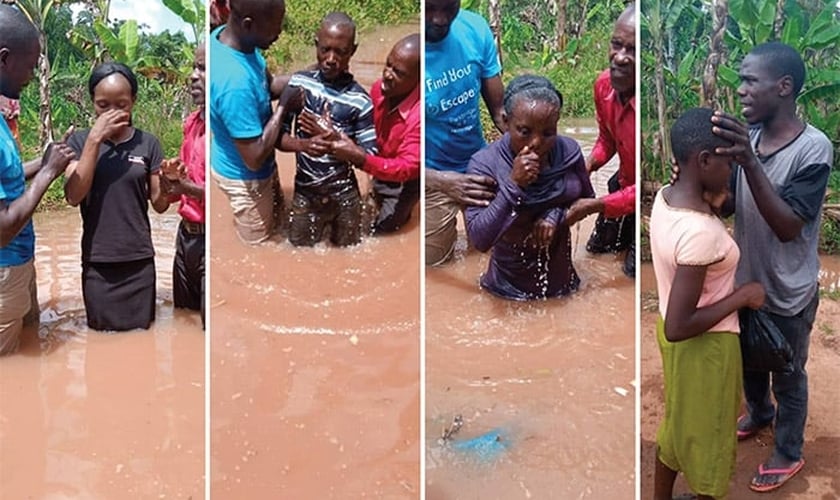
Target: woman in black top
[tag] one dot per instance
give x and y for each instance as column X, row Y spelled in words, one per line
column 112, row 181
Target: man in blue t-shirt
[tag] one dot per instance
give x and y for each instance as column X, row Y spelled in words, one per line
column 462, row 64
column 19, row 51
column 245, row 130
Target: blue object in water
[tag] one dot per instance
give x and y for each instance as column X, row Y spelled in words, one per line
column 486, row 447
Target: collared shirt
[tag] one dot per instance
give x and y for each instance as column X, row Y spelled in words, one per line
column 397, row 136
column 193, row 156
column 616, row 133
column 351, row 112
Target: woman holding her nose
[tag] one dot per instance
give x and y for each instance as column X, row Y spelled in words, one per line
column 539, row 175
column 114, row 177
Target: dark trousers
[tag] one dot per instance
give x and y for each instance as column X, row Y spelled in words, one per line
column 188, row 268
column 395, row 201
column 789, row 389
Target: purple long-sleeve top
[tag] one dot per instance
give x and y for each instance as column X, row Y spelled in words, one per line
column 519, row 269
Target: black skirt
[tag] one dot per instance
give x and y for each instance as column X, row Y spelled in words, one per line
column 119, row 295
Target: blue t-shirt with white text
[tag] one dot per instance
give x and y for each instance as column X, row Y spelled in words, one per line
column 455, row 67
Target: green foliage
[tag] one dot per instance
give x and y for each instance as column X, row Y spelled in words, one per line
column 161, row 62
column 303, row 18
column 191, row 12
column 528, row 46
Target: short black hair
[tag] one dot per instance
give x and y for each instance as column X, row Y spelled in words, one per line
column 16, row 30
column 692, row 133
column 107, row 69
column 782, row 60
column 533, row 87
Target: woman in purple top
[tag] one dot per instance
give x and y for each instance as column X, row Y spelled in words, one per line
column 539, row 175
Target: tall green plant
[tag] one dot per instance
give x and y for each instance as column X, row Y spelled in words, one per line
column 191, row 12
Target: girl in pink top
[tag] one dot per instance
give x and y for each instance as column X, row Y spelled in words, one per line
column 694, row 259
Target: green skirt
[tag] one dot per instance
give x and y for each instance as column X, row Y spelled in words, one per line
column 703, row 383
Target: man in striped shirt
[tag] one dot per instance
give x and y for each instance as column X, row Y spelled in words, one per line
column 326, row 189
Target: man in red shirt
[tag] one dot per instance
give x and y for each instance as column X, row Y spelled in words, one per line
column 615, row 104
column 184, row 178
column 396, row 117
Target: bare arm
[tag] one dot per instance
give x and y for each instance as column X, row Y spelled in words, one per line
column 466, row 189
column 159, row 199
column 684, row 320
column 15, row 215
column 31, row 167
column 781, row 218
column 493, row 92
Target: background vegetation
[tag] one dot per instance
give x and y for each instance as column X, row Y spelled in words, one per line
column 567, row 42
column 296, row 43
column 71, row 48
column 691, row 50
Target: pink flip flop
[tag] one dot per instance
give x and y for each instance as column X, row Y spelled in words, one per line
column 746, row 434
column 782, row 476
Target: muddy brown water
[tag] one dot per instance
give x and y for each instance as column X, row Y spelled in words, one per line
column 555, row 378
column 315, row 353
column 89, row 415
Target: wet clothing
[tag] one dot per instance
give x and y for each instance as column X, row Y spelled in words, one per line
column 702, row 400
column 257, row 206
column 702, row 374
column 240, row 106
column 117, row 250
column 799, row 172
column 396, row 169
column 455, row 68
column 19, row 300
column 395, row 202
column 440, row 213
column 351, row 112
column 119, row 296
column 326, row 189
column 188, row 267
column 315, row 210
column 518, row 269
column 616, row 134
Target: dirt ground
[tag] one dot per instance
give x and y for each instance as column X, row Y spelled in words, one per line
column 820, row 478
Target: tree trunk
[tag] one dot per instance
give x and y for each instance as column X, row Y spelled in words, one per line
column 496, row 25
column 659, row 79
column 45, row 135
column 708, row 91
column 560, row 26
column 779, row 23
column 581, row 28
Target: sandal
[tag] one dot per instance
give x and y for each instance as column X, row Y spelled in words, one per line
column 781, row 476
column 746, row 428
